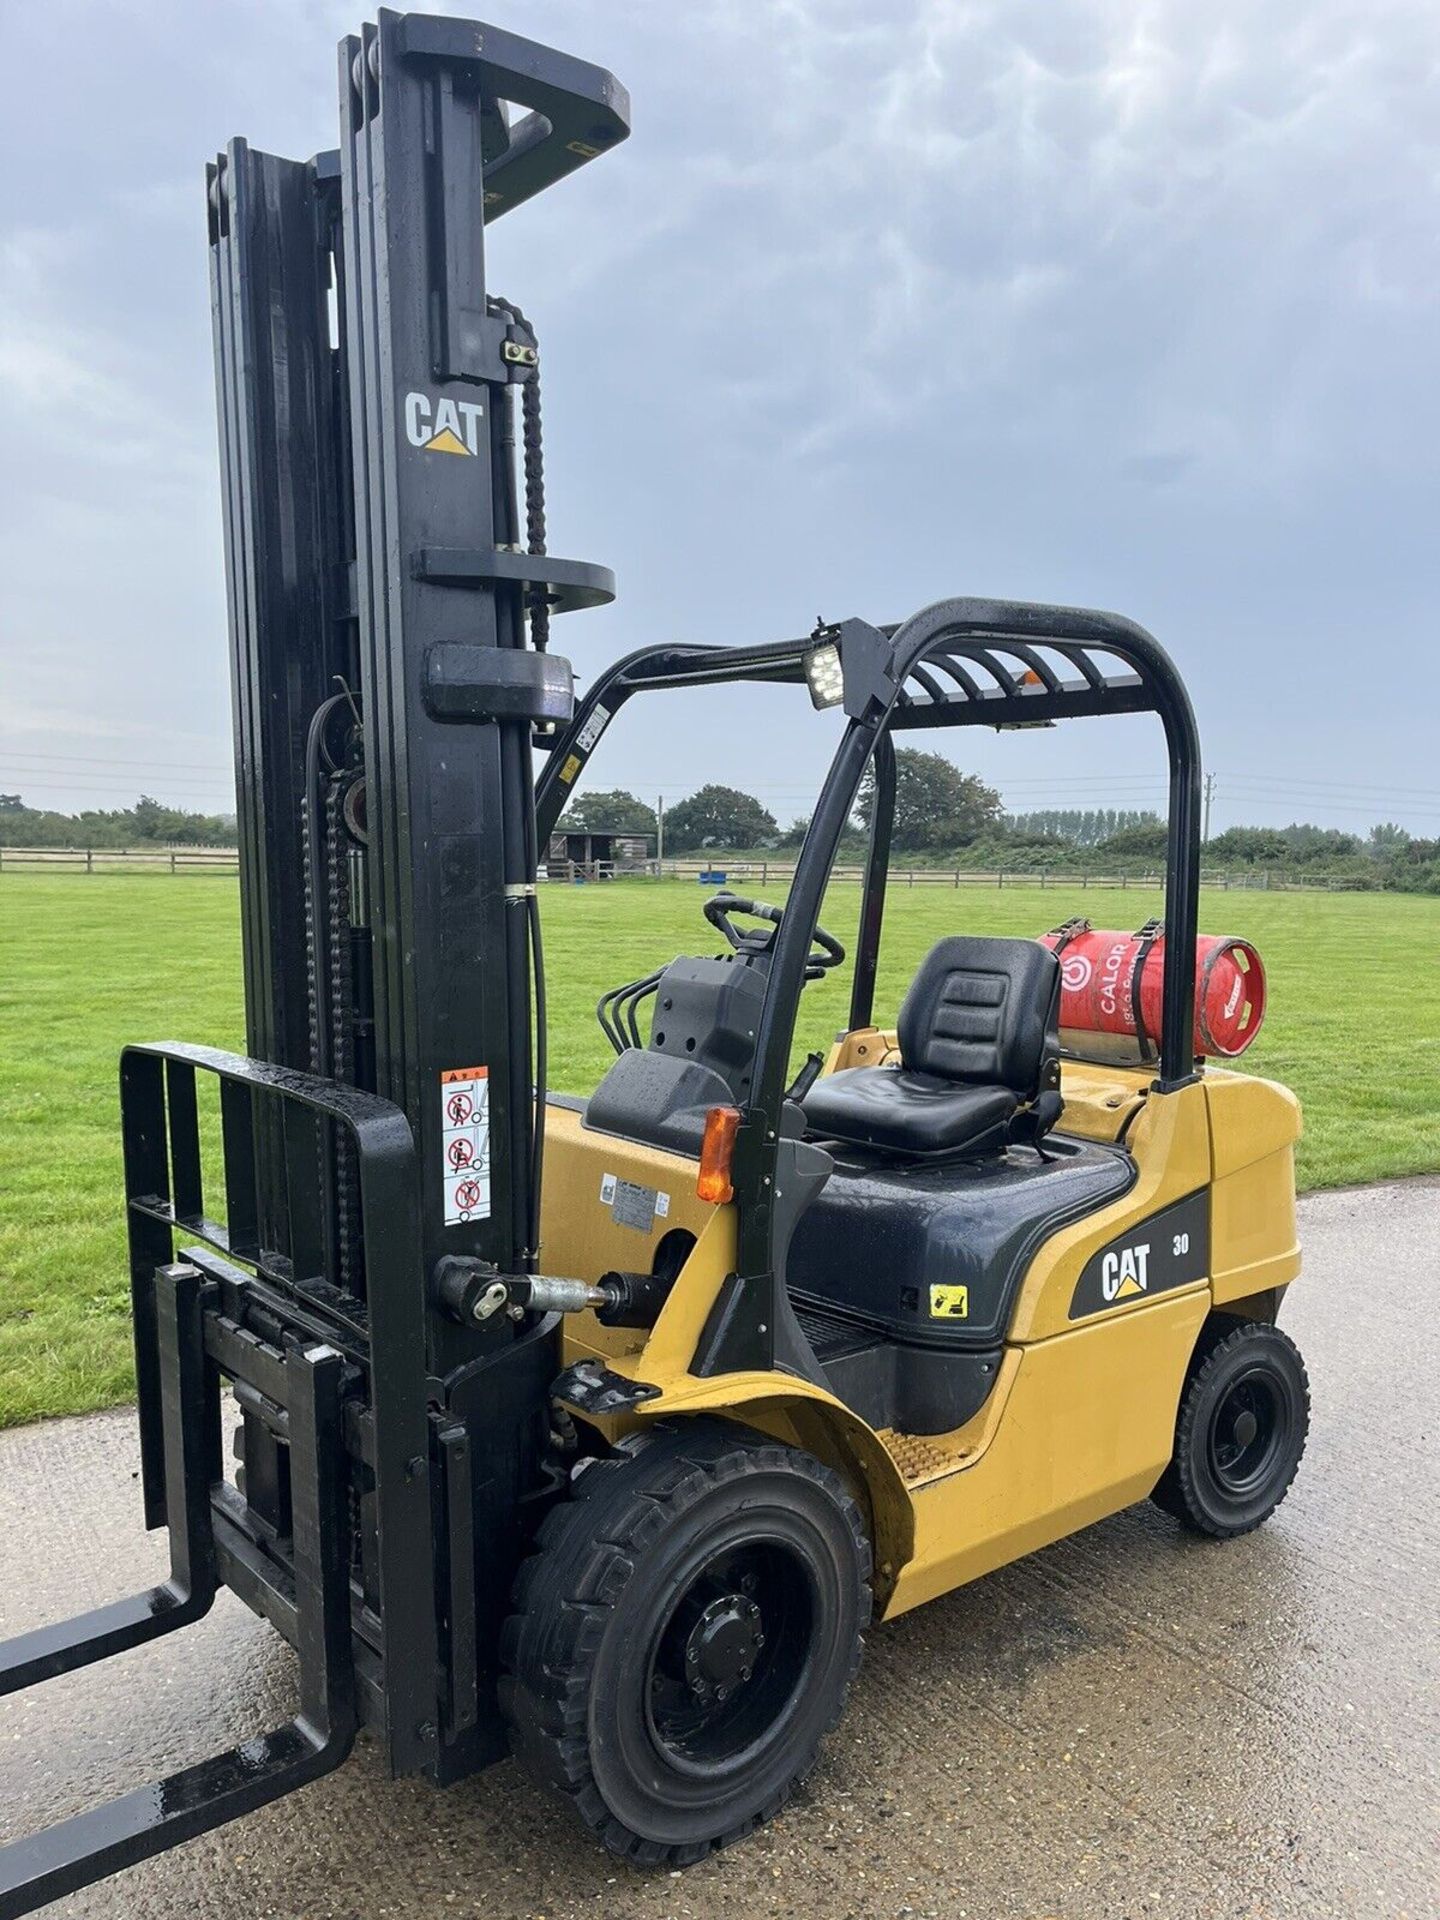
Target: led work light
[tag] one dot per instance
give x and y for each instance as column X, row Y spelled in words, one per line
column 825, row 676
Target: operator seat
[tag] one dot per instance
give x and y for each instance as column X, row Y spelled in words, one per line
column 979, row 1039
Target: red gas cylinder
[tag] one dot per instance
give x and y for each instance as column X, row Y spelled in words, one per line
column 1112, row 989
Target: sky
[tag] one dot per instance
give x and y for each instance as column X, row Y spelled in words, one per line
column 1114, row 303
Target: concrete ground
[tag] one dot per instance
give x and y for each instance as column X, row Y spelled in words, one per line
column 1132, row 1723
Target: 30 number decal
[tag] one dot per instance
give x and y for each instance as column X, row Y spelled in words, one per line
column 1180, row 1244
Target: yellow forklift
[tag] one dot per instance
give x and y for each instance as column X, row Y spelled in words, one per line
column 598, row 1431
column 856, row 1337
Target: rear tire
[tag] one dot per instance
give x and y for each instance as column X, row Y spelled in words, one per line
column 684, row 1636
column 1240, row 1434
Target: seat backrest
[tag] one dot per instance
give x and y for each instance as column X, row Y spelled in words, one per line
column 985, row 1012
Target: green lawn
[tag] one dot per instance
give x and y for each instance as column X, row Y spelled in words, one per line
column 87, row 963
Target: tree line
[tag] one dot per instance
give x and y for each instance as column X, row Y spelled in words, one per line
column 149, row 823
column 942, row 816
column 935, row 805
column 948, row 818
column 1085, row 827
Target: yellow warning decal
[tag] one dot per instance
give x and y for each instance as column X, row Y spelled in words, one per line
column 570, row 768
column 950, row 1302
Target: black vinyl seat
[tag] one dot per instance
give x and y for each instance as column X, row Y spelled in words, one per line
column 979, row 1040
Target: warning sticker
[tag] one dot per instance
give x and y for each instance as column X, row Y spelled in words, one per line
column 592, row 729
column 465, row 1143
column 572, row 766
column 949, row 1302
column 632, row 1205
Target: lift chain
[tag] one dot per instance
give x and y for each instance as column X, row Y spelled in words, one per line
column 342, row 1038
column 532, row 440
column 312, row 981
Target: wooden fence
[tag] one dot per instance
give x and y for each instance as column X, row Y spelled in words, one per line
column 749, row 872
column 768, row 872
column 219, row 860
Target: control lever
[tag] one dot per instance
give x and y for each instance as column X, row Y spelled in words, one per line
column 805, row 1078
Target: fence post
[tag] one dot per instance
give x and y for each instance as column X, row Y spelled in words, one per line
column 89, row 859
column 1123, row 882
column 1042, row 879
column 1084, row 881
column 1000, row 878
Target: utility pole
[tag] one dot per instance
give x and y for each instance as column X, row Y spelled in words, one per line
column 1209, row 795
column 660, row 836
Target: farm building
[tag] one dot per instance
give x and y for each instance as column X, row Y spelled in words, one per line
column 598, row 856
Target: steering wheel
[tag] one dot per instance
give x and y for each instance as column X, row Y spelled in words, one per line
column 825, row 954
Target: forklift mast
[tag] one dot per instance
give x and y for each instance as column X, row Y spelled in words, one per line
column 389, row 632
column 386, row 686
column 388, row 638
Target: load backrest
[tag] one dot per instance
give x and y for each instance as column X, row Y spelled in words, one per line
column 985, row 1012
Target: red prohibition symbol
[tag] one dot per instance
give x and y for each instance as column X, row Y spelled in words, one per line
column 460, row 1153
column 458, row 1109
column 467, row 1195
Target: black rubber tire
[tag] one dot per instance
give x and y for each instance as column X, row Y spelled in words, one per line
column 1216, row 1484
column 598, row 1602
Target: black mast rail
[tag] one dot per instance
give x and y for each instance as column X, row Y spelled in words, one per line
column 270, row 269
column 452, row 852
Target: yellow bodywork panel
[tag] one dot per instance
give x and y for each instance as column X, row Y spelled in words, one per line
column 579, row 1232
column 581, row 1237
column 1081, row 1420
column 1170, row 1144
column 865, row 1047
column 1085, row 1429
column 1254, row 1125
column 1101, row 1102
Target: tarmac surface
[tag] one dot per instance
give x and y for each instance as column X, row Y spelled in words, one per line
column 1132, row 1723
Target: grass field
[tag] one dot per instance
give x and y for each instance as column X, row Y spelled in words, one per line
column 88, row 963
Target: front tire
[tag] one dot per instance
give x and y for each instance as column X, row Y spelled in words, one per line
column 1241, row 1430
column 684, row 1637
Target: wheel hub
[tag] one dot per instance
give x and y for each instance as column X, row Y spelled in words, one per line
column 1244, row 1435
column 722, row 1647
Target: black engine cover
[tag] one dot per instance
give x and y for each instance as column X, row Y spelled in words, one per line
column 934, row 1255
